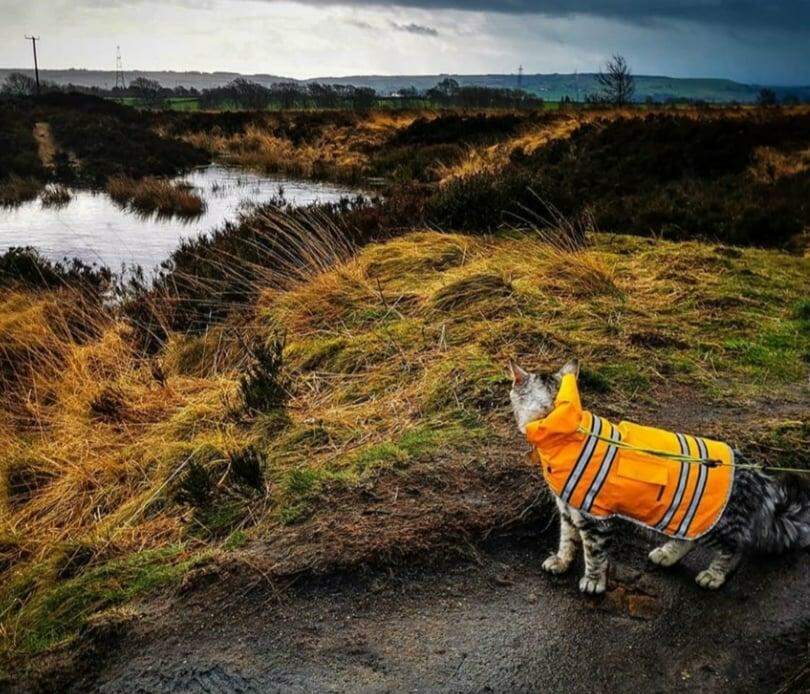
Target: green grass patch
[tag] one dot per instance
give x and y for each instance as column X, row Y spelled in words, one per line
column 236, row 540
column 780, row 352
column 47, row 611
column 419, row 443
column 466, row 380
column 316, row 354
column 221, row 518
column 297, row 488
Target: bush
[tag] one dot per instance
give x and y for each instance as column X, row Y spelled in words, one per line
column 480, row 203
column 263, row 387
column 247, row 467
column 676, row 176
column 455, row 128
column 16, row 190
column 407, row 164
column 196, row 486
column 55, row 196
column 19, row 155
column 25, row 267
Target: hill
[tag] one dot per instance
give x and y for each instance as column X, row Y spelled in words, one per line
column 552, row 87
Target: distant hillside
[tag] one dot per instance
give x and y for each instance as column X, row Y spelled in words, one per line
column 551, row 87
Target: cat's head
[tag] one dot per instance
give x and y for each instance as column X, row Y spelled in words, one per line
column 532, row 395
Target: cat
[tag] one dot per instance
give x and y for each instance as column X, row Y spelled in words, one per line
column 765, row 512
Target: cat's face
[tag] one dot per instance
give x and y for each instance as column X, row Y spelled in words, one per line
column 532, row 395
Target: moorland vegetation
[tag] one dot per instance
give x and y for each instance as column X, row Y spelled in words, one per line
column 305, row 390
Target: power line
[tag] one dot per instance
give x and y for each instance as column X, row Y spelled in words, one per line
column 33, row 40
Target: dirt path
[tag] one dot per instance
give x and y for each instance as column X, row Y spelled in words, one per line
column 498, row 624
column 45, row 144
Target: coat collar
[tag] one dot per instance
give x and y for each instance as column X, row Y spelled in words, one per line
column 563, row 420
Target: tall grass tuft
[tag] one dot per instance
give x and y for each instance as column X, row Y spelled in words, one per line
column 159, row 195
column 247, row 467
column 209, row 278
column 55, row 196
column 262, row 386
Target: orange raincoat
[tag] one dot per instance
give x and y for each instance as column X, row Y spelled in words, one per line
column 597, row 467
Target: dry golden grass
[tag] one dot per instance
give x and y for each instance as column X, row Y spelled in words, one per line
column 337, row 152
column 344, row 152
column 16, row 190
column 770, row 165
column 531, row 138
column 493, row 157
column 156, row 195
column 397, row 357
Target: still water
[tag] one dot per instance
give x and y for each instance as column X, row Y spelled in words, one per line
column 95, row 229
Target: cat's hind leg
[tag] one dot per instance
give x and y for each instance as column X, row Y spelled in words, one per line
column 670, row 553
column 560, row 562
column 723, row 563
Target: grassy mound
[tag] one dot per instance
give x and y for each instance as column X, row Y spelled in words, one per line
column 360, row 413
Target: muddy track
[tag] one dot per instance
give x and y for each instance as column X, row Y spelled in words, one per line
column 494, row 624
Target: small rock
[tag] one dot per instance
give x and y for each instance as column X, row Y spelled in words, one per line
column 502, row 580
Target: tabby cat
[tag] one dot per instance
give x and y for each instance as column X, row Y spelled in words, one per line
column 765, row 512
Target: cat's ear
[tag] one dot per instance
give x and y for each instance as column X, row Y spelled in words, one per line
column 570, row 367
column 519, row 376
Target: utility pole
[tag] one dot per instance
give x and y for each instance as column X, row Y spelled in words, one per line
column 33, row 40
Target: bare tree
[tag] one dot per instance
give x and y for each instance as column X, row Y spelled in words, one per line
column 148, row 92
column 18, row 84
column 766, row 97
column 617, row 85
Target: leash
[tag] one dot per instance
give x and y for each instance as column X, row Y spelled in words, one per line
column 691, row 459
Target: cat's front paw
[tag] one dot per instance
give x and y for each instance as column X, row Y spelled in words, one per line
column 709, row 579
column 592, row 586
column 661, row 557
column 556, row 565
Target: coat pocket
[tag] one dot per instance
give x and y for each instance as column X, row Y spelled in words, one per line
column 642, row 470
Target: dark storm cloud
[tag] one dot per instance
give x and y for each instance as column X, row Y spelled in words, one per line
column 417, row 29
column 790, row 15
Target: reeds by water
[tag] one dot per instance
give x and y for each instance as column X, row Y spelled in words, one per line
column 151, row 194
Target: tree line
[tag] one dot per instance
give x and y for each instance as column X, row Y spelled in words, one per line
column 244, row 94
column 615, row 87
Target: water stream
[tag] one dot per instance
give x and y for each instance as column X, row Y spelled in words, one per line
column 93, row 228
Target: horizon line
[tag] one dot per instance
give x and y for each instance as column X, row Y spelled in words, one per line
column 389, row 75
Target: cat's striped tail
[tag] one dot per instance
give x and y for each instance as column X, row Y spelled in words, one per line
column 790, row 523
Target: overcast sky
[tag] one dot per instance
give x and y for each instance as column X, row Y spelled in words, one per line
column 763, row 41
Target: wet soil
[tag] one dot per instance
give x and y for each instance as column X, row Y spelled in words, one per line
column 494, row 623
